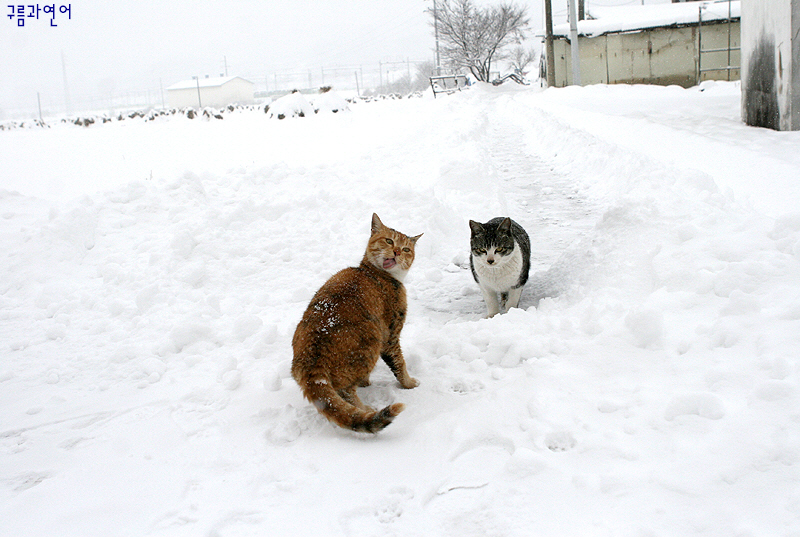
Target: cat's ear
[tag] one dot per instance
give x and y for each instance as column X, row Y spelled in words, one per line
column 476, row 227
column 377, row 225
column 415, row 239
column 505, row 225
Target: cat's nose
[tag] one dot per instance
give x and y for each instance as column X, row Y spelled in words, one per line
column 397, row 252
column 490, row 261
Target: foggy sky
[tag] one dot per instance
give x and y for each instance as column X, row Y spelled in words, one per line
column 126, row 45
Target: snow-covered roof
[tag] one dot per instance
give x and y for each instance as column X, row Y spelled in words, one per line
column 210, row 82
column 609, row 20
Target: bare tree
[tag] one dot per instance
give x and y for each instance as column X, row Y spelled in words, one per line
column 424, row 71
column 473, row 37
column 520, row 58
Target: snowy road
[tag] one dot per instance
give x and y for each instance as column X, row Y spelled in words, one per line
column 549, row 205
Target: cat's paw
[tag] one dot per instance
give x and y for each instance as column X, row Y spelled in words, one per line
column 410, row 383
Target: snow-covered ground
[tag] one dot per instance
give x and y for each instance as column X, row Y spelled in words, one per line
column 153, row 274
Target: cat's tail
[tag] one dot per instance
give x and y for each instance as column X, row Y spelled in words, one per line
column 344, row 414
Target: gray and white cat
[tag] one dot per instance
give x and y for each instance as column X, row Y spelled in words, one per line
column 500, row 261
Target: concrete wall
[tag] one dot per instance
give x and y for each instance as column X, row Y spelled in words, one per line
column 770, row 64
column 182, row 98
column 662, row 56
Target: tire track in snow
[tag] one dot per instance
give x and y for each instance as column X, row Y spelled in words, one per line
column 547, row 204
column 551, row 207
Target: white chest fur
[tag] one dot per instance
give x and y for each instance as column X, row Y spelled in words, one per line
column 501, row 276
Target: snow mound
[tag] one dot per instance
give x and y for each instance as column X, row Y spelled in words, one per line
column 292, row 105
column 330, row 101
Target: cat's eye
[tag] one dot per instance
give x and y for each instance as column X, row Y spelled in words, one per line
column 406, row 250
column 480, row 251
column 500, row 251
column 390, row 242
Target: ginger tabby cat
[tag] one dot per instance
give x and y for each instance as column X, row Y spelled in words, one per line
column 355, row 318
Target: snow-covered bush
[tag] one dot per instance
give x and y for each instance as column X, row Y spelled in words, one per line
column 329, row 101
column 290, row 105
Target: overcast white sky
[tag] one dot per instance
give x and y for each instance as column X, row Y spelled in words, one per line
column 113, row 47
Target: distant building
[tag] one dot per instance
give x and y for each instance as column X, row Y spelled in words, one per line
column 680, row 43
column 215, row 92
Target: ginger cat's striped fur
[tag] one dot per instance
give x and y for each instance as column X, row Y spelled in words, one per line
column 354, row 319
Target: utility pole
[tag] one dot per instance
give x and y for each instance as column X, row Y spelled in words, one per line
column 573, row 45
column 551, row 60
column 582, row 9
column 67, row 103
column 199, row 102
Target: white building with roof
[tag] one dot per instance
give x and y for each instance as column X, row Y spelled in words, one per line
column 211, row 91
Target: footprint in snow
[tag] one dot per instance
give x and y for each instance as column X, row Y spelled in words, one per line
column 560, row 441
column 287, row 424
column 379, row 514
column 25, row 481
column 464, row 386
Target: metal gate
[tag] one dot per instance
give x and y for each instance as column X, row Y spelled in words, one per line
column 728, row 67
